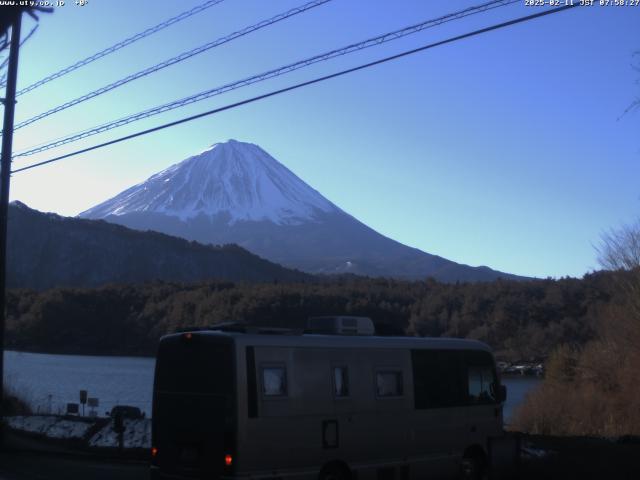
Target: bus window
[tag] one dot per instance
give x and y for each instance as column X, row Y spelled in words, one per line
column 340, row 382
column 274, row 381
column 195, row 367
column 480, row 385
column 438, row 378
column 389, row 384
column 481, row 378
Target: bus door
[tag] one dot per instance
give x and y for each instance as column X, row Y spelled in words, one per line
column 439, row 409
column 485, row 411
column 370, row 391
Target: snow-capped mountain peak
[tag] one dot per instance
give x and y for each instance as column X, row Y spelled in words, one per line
column 235, row 192
column 235, row 179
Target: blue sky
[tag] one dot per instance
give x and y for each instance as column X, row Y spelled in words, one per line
column 505, row 150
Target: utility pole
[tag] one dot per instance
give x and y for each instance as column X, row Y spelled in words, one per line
column 5, row 179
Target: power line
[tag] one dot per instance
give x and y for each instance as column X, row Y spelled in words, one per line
column 177, row 59
column 303, row 84
column 122, row 44
column 267, row 75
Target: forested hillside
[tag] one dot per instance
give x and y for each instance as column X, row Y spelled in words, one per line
column 46, row 250
column 518, row 319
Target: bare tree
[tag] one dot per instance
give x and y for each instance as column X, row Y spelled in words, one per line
column 620, row 248
column 636, row 103
column 620, row 251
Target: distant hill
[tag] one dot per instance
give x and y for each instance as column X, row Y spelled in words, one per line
column 46, row 250
column 235, row 192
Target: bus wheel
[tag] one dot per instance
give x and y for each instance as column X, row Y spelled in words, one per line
column 473, row 467
column 334, row 471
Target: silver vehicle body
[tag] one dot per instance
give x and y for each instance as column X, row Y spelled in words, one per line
column 306, row 403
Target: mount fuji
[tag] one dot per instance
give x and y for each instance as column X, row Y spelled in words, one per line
column 235, row 192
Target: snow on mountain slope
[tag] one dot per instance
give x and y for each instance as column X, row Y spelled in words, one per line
column 233, row 178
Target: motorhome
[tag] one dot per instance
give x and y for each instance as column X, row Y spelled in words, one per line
column 343, row 404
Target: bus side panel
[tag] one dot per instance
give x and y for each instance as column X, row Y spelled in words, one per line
column 287, row 431
column 369, row 431
column 379, row 437
column 438, row 437
column 374, row 429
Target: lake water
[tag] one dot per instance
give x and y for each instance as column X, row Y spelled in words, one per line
column 49, row 382
column 517, row 389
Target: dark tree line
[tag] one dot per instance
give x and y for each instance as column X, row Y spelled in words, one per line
column 520, row 320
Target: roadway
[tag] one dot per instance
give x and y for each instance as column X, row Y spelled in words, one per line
column 20, row 465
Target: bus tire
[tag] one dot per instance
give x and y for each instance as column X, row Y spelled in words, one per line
column 335, row 471
column 474, row 466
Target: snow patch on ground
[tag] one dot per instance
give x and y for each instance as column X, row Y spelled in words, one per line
column 50, row 426
column 535, row 452
column 137, row 433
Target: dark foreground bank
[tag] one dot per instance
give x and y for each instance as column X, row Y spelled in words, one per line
column 566, row 458
column 542, row 458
